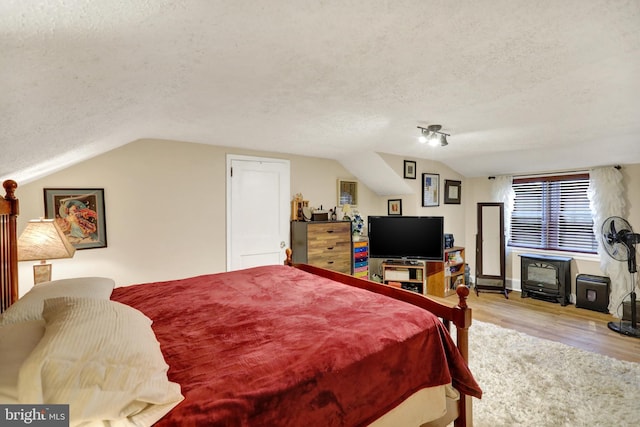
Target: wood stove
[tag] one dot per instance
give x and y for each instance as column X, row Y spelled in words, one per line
column 545, row 276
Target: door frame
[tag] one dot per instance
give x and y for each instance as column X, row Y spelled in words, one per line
column 229, row 160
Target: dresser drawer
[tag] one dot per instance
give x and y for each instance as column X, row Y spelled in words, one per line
column 328, row 246
column 330, row 231
column 336, row 261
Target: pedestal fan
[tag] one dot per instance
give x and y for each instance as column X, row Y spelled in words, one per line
column 620, row 242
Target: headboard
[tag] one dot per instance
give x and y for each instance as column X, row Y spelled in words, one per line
column 9, row 209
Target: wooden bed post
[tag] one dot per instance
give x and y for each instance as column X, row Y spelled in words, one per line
column 289, row 260
column 9, row 209
column 462, row 328
column 462, row 336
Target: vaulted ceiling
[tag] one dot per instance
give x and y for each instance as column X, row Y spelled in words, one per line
column 521, row 86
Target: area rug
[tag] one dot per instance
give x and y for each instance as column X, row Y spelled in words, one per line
column 529, row 381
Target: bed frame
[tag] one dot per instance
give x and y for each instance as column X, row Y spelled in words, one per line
column 459, row 316
column 9, row 210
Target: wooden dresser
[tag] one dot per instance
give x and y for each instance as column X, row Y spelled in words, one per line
column 326, row 244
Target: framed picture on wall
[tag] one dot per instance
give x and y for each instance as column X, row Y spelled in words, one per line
column 347, row 192
column 409, row 169
column 452, row 192
column 80, row 214
column 394, row 207
column 430, row 189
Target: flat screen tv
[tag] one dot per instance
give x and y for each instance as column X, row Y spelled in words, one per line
column 406, row 237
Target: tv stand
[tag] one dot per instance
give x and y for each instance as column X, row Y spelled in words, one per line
column 437, row 278
column 403, row 262
column 406, row 274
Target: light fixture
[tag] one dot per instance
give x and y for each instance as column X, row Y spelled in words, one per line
column 41, row 240
column 432, row 135
column 424, row 135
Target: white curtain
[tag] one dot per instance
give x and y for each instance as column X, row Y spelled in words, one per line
column 606, row 199
column 502, row 191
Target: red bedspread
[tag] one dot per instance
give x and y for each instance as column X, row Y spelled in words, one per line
column 276, row 346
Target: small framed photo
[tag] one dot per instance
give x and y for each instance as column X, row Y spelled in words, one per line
column 394, row 207
column 430, row 189
column 452, row 192
column 409, row 169
column 80, row 214
column 347, row 192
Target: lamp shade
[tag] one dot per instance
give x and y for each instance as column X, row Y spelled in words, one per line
column 43, row 239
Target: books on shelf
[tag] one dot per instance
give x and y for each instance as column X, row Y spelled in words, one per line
column 454, row 257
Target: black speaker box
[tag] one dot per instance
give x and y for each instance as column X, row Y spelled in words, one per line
column 448, row 241
column 592, row 292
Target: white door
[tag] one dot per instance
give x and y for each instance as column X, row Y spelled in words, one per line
column 258, row 192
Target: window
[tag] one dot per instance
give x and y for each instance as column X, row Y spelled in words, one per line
column 552, row 212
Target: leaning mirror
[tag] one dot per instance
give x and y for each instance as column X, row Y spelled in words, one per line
column 490, row 249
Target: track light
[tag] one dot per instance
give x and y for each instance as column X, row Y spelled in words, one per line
column 424, row 135
column 434, row 139
column 432, row 135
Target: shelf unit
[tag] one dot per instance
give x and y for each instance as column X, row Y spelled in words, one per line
column 406, row 275
column 443, row 277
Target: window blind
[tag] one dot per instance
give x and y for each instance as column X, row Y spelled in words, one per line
column 552, row 212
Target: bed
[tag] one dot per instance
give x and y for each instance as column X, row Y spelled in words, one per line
column 281, row 345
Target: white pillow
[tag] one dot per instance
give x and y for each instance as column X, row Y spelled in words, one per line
column 17, row 340
column 29, row 307
column 102, row 358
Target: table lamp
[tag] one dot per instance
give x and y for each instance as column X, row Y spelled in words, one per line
column 41, row 240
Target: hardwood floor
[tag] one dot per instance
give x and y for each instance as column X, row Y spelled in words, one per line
column 573, row 326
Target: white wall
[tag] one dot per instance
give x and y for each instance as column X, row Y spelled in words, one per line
column 165, row 208
column 454, row 214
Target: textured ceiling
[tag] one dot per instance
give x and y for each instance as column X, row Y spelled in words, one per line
column 521, row 86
